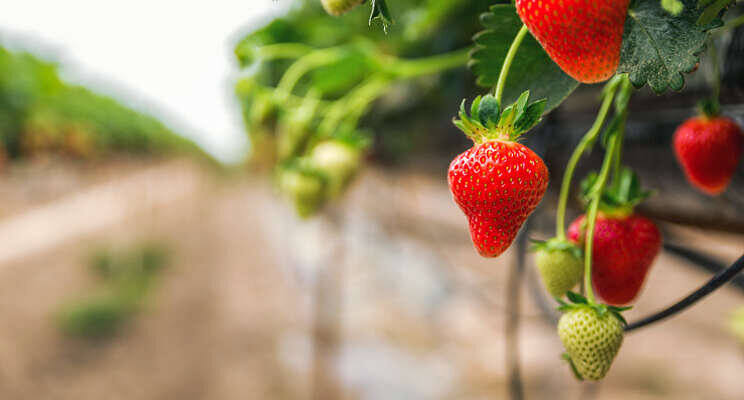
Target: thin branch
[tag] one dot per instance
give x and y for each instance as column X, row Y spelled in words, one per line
column 717, row 281
column 513, row 305
column 326, row 329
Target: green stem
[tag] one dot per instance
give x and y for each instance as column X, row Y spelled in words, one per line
column 589, row 137
column 621, row 106
column 302, row 66
column 363, row 98
column 716, row 71
column 404, row 69
column 617, row 164
column 360, row 96
column 352, row 106
column 731, row 24
column 283, row 50
column 508, row 62
column 591, row 214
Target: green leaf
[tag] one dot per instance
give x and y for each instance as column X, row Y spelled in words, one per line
column 531, row 70
column 489, row 111
column 507, row 117
column 575, row 371
column 555, row 244
column 475, row 109
column 625, row 191
column 530, row 117
column 622, row 195
column 381, row 12
column 659, row 47
column 711, row 10
column 521, row 104
column 576, row 298
column 620, row 317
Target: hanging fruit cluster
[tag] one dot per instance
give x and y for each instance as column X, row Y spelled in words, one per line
column 556, row 45
column 498, row 183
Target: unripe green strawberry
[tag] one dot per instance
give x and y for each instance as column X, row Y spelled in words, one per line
column 305, row 189
column 736, row 324
column 338, row 161
column 560, row 268
column 591, row 338
column 338, row 7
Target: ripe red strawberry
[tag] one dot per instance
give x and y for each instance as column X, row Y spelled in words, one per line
column 623, row 250
column 582, row 36
column 709, row 149
column 498, row 182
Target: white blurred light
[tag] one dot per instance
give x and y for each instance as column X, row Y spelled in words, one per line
column 171, row 58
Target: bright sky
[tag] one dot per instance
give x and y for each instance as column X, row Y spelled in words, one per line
column 172, row 58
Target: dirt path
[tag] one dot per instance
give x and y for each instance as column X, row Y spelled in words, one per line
column 422, row 314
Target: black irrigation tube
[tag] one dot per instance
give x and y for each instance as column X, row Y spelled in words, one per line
column 703, row 261
column 717, row 281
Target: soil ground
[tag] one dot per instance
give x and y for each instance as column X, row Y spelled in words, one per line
column 421, row 315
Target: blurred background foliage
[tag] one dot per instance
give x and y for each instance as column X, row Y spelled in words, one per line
column 40, row 114
column 125, row 278
column 296, row 69
column 412, row 113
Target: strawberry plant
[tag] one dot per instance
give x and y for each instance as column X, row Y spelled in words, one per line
column 305, row 102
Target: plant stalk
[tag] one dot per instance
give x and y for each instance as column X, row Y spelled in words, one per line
column 589, row 137
column 591, row 215
column 508, row 62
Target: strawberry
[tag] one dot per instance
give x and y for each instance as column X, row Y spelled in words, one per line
column 338, row 161
column 736, row 324
column 592, row 335
column 583, row 37
column 305, row 187
column 560, row 264
column 624, row 248
column 709, row 149
column 498, row 182
column 625, row 244
column 339, row 7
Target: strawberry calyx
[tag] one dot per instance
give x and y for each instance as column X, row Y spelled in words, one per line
column 557, row 244
column 487, row 121
column 709, row 108
column 619, row 198
column 578, row 301
column 565, row 356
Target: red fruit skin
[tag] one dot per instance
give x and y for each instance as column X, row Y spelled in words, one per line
column 583, row 37
column 622, row 253
column 709, row 150
column 497, row 185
